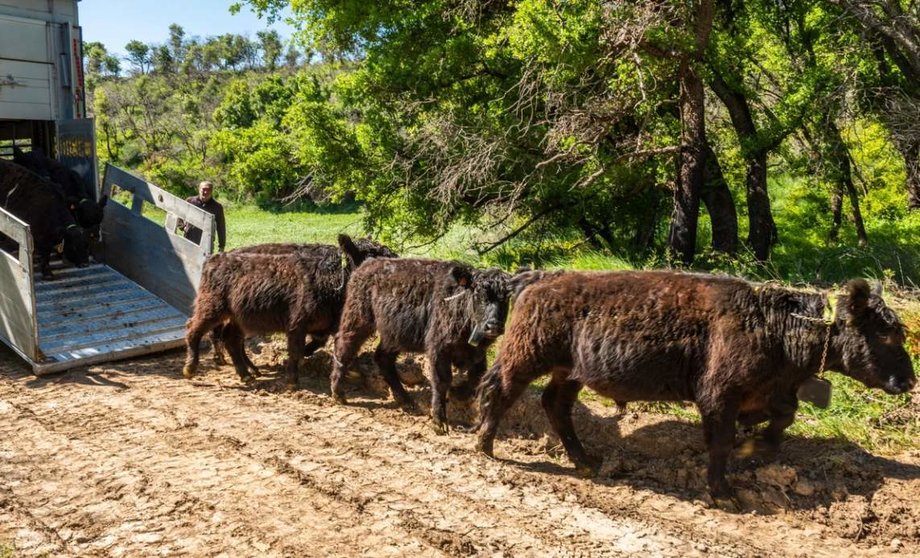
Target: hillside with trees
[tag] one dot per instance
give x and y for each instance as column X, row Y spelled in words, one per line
column 778, row 139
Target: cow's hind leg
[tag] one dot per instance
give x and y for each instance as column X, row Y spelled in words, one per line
column 347, row 343
column 315, row 343
column 499, row 389
column 386, row 363
column 719, row 432
column 558, row 399
column 233, row 340
column 295, row 355
column 441, row 376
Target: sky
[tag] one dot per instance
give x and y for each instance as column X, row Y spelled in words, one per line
column 115, row 22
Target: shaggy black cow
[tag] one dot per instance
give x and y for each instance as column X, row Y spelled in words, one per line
column 739, row 351
column 40, row 204
column 448, row 310
column 78, row 194
column 252, row 293
column 316, row 341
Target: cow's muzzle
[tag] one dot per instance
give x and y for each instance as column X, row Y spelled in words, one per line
column 896, row 386
column 491, row 330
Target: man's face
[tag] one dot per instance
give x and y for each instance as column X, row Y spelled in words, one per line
column 204, row 192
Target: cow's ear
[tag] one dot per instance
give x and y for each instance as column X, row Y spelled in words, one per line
column 349, row 249
column 102, row 201
column 461, row 276
column 858, row 296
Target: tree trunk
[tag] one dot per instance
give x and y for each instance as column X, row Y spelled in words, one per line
column 911, row 154
column 762, row 232
column 718, row 200
column 682, row 237
column 843, row 178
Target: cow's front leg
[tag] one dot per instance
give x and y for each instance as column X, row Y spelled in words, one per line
column 558, row 399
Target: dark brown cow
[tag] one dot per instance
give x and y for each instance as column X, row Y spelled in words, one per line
column 251, row 293
column 448, row 310
column 739, row 351
column 316, row 341
column 40, row 204
column 78, row 194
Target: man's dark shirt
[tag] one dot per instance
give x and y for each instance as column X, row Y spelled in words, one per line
column 193, row 233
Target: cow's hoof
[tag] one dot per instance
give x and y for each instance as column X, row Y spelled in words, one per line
column 354, row 376
column 188, row 372
column 728, row 504
column 219, row 360
column 339, row 398
column 486, row 447
column 291, row 386
column 247, row 379
column 589, row 466
column 440, row 428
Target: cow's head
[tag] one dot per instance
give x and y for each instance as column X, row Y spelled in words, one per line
column 363, row 248
column 76, row 249
column 88, row 214
column 488, row 303
column 870, row 340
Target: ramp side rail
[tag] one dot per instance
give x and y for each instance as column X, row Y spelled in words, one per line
column 150, row 254
column 18, row 321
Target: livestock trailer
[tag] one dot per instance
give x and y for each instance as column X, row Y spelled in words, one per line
column 137, row 295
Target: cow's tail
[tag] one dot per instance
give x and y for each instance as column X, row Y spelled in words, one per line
column 489, row 392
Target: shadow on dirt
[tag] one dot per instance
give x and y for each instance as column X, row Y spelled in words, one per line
column 660, row 453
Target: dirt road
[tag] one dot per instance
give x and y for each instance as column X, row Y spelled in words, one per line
column 129, row 459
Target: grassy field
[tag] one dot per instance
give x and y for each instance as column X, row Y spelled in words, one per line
column 874, row 420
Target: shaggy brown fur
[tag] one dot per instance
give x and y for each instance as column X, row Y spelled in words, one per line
column 364, row 247
column 425, row 306
column 40, row 204
column 739, row 351
column 297, row 293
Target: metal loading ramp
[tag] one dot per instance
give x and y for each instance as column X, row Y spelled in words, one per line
column 95, row 314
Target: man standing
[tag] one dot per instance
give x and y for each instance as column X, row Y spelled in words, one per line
column 206, row 201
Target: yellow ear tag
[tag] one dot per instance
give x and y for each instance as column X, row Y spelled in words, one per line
column 344, row 260
column 59, row 248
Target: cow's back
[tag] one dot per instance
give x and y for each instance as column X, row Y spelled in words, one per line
column 638, row 335
column 36, row 201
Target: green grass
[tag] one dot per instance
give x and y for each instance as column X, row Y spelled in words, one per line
column 7, row 549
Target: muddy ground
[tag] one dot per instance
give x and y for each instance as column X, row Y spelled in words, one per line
column 129, row 459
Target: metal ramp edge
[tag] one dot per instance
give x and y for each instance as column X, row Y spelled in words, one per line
column 80, row 323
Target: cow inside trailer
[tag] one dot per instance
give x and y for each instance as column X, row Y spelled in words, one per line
column 134, row 300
